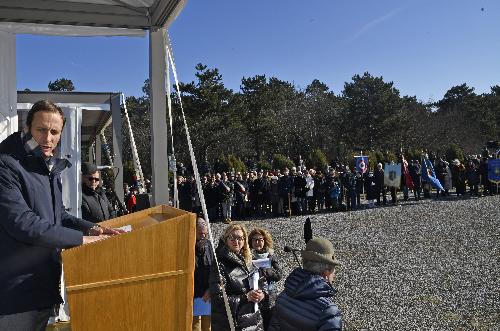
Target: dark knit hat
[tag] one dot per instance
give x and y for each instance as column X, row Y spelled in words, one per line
column 88, row 168
column 320, row 250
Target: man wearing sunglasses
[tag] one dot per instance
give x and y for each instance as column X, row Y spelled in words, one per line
column 95, row 205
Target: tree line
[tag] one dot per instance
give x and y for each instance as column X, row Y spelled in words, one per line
column 269, row 118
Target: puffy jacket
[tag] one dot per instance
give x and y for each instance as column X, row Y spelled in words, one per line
column 306, row 304
column 234, row 273
column 34, row 227
column 95, row 205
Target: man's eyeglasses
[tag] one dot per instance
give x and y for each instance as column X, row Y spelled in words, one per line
column 236, row 238
column 93, row 179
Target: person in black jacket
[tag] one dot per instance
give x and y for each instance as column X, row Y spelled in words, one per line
column 95, row 205
column 35, row 225
column 203, row 262
column 379, row 184
column 262, row 247
column 234, row 272
column 306, row 303
column 415, row 173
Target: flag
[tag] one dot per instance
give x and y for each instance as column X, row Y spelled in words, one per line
column 392, row 175
column 429, row 175
column 406, row 175
column 361, row 163
column 494, row 170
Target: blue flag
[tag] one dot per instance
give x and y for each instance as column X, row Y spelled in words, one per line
column 494, row 170
column 428, row 174
column 361, row 164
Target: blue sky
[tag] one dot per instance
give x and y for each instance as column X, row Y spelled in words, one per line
column 424, row 47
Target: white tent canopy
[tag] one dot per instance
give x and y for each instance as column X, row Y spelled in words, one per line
column 127, row 14
column 93, row 18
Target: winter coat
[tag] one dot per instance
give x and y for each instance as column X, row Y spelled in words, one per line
column 300, row 184
column 447, row 185
column 95, row 205
column 203, row 260
column 33, row 229
column 415, row 173
column 224, row 191
column 240, row 191
column 306, row 304
column 285, row 184
column 234, row 273
column 379, row 179
column 309, row 186
column 370, row 187
column 473, row 176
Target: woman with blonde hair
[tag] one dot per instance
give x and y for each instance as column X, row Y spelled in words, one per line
column 262, row 247
column 234, row 271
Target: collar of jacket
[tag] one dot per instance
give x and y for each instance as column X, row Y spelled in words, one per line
column 88, row 191
column 224, row 253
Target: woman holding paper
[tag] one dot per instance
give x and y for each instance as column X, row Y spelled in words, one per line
column 263, row 255
column 234, row 272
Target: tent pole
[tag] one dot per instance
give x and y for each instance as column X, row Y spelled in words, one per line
column 158, row 117
column 8, row 91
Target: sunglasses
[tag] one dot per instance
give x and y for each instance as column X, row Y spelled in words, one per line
column 93, row 179
column 236, row 238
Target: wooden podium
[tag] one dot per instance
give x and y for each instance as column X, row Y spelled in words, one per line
column 141, row 280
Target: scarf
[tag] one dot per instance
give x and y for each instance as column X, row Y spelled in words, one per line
column 32, row 148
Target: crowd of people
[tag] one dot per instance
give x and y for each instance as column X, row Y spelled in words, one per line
column 299, row 191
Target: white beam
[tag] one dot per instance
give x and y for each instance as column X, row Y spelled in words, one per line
column 117, row 145
column 158, row 117
column 8, row 92
column 98, row 150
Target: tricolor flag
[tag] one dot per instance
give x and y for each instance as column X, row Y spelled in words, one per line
column 361, row 163
column 428, row 174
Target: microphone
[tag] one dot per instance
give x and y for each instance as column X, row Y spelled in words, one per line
column 288, row 249
column 308, row 233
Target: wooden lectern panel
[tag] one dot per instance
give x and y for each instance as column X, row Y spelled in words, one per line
column 141, row 280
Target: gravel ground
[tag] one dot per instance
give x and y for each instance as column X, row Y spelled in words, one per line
column 426, row 265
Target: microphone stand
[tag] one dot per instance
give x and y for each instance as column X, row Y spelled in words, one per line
column 296, row 258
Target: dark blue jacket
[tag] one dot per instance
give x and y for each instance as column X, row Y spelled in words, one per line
column 306, row 304
column 34, row 227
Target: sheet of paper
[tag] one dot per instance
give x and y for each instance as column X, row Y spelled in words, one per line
column 255, row 285
column 126, row 228
column 262, row 263
column 200, row 307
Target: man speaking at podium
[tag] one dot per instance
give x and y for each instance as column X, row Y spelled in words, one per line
column 34, row 225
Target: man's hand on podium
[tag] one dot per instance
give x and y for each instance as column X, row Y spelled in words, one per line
column 97, row 233
column 91, row 239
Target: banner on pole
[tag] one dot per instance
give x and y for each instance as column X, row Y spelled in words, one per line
column 361, row 163
column 494, row 170
column 392, row 175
